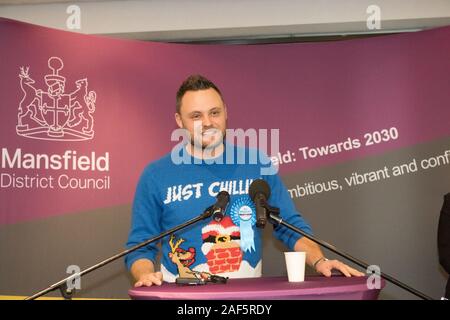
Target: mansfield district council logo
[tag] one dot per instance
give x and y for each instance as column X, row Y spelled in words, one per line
column 52, row 114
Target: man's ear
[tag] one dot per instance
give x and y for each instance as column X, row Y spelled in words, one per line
column 178, row 120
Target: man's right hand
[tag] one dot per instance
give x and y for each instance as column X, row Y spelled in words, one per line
column 149, row 279
column 143, row 272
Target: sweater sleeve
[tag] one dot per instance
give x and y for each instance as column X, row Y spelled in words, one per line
column 146, row 217
column 280, row 198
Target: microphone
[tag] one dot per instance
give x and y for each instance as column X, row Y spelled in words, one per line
column 259, row 192
column 219, row 208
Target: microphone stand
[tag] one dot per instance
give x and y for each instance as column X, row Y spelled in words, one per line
column 274, row 218
column 67, row 292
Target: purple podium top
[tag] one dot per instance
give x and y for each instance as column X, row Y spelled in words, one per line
column 266, row 288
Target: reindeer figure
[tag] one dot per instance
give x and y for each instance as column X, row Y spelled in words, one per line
column 31, row 101
column 182, row 258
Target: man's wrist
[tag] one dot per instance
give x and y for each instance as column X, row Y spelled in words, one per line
column 319, row 261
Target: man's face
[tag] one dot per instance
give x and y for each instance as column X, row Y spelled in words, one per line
column 204, row 115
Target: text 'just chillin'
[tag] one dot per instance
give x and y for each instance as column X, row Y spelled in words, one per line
column 185, row 192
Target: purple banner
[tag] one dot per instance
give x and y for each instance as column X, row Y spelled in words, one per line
column 82, row 115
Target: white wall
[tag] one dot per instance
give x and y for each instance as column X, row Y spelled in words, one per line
column 209, row 19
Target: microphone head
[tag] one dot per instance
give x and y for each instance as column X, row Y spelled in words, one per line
column 223, row 198
column 259, row 186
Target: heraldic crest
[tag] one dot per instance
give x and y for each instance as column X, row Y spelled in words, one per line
column 53, row 114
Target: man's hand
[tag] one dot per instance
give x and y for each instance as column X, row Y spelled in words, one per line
column 326, row 266
column 315, row 258
column 149, row 279
column 143, row 272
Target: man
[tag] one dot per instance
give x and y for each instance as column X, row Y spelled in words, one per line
column 170, row 193
column 444, row 239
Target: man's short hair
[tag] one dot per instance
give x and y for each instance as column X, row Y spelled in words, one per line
column 194, row 83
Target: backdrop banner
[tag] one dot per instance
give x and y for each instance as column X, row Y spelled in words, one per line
column 364, row 145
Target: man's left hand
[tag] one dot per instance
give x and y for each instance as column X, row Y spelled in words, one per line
column 325, row 268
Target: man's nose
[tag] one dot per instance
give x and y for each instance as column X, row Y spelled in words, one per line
column 206, row 121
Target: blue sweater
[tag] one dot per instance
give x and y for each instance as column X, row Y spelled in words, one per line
column 169, row 194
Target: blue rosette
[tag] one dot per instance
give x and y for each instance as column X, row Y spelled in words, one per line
column 243, row 214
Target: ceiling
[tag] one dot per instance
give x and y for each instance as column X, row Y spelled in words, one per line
column 18, row 2
column 234, row 21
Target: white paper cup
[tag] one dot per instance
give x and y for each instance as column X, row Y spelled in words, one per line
column 295, row 265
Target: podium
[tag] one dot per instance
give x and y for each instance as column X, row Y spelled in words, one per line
column 265, row 288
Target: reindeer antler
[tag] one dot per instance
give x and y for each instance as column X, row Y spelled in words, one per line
column 176, row 245
column 24, row 72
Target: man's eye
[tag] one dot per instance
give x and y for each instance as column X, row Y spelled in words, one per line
column 215, row 113
column 195, row 116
